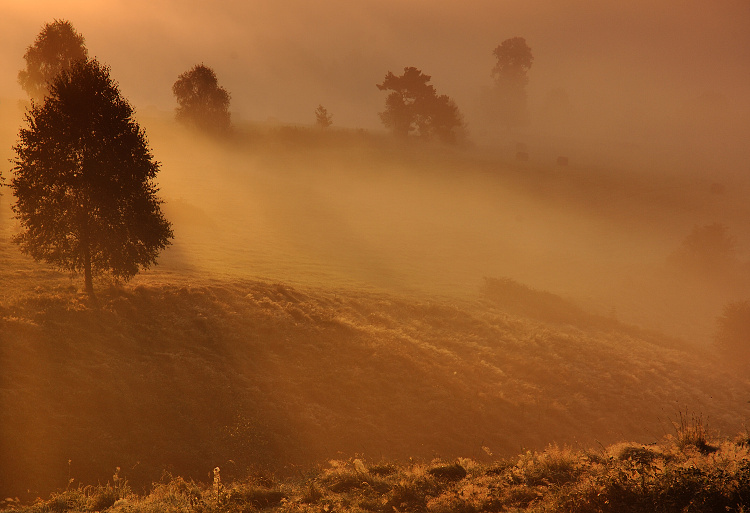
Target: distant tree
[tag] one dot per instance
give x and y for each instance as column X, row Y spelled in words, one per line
column 514, row 59
column 322, row 118
column 202, row 103
column 56, row 48
column 413, row 106
column 84, row 180
column 708, row 249
column 733, row 330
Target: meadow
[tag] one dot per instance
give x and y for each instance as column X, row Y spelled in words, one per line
column 341, row 296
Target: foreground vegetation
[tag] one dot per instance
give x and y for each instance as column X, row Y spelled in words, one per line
column 685, row 472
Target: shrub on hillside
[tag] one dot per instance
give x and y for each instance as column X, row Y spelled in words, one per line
column 707, row 251
column 733, row 330
column 554, row 466
column 453, row 472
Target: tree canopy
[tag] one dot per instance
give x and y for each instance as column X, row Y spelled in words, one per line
column 202, row 103
column 56, row 48
column 413, row 106
column 514, row 59
column 84, row 180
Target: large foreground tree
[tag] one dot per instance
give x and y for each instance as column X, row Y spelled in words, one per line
column 413, row 106
column 55, row 49
column 84, row 180
column 201, row 101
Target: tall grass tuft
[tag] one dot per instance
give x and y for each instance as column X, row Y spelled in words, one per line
column 691, row 433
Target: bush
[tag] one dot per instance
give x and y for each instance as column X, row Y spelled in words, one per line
column 255, row 497
column 554, row 466
column 637, row 454
column 453, row 472
column 733, row 330
column 708, row 251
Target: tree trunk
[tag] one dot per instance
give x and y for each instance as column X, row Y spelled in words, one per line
column 87, row 277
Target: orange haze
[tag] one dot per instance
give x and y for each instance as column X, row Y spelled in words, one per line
column 632, row 67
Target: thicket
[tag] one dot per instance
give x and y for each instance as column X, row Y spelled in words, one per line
column 688, row 471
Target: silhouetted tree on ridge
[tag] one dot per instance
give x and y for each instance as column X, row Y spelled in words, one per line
column 322, row 118
column 84, row 180
column 202, row 103
column 413, row 106
column 56, row 48
column 514, row 59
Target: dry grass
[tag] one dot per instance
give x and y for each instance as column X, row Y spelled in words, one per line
column 564, row 480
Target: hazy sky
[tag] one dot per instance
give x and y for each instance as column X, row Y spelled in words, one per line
column 281, row 58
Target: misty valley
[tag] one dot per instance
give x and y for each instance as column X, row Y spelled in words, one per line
column 204, row 312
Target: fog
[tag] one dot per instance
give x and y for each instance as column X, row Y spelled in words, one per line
column 636, row 69
column 657, row 111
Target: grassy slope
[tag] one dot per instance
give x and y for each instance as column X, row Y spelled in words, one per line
column 197, row 364
column 186, row 378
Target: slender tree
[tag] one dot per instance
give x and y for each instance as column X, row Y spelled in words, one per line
column 322, row 118
column 202, row 103
column 84, row 180
column 413, row 106
column 514, row 59
column 56, row 48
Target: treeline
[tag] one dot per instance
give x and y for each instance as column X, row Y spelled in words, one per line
column 413, row 106
column 84, row 175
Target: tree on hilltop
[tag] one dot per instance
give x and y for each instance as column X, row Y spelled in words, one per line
column 202, row 102
column 514, row 59
column 322, row 118
column 413, row 106
column 55, row 49
column 84, row 180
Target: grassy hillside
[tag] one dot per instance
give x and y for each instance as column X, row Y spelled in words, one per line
column 254, row 375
